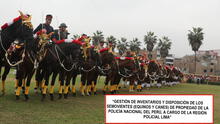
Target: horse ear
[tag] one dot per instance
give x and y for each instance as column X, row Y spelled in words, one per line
column 29, row 18
column 21, row 14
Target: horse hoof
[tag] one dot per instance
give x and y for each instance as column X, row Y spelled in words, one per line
column 26, row 97
column 43, row 97
column 65, row 96
column 60, row 96
column 17, row 97
column 88, row 94
column 74, row 94
column 51, row 97
column 35, row 91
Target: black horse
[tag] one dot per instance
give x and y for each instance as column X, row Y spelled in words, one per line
column 90, row 71
column 60, row 59
column 123, row 68
column 31, row 58
column 22, row 30
column 153, row 71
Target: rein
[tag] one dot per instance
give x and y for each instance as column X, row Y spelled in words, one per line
column 61, row 63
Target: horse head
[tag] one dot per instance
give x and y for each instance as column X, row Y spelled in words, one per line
column 41, row 43
column 128, row 65
column 153, row 69
column 107, row 58
column 20, row 29
column 93, row 56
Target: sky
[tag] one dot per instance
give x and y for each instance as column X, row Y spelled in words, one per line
column 127, row 18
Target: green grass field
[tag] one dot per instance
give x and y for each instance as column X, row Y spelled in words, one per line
column 80, row 110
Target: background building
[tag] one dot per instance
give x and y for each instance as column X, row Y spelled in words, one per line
column 207, row 62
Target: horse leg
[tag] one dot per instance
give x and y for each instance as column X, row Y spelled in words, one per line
column 61, row 78
column 88, row 85
column 73, row 83
column 45, row 85
column 20, row 77
column 116, row 84
column 29, row 76
column 66, row 89
column 24, row 83
column 105, row 85
column 94, row 85
column 82, row 84
column 107, row 79
column 131, row 86
column 39, row 79
column 4, row 76
column 52, row 85
column 139, row 86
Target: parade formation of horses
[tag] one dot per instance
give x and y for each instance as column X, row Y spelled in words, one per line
column 30, row 53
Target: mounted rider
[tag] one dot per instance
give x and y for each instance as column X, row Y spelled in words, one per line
column 45, row 25
column 61, row 33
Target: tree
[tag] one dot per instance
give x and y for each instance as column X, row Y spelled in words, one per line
column 97, row 37
column 164, row 46
column 76, row 36
column 111, row 39
column 122, row 45
column 150, row 40
column 195, row 38
column 135, row 45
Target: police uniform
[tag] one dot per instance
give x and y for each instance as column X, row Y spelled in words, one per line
column 48, row 28
column 45, row 26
